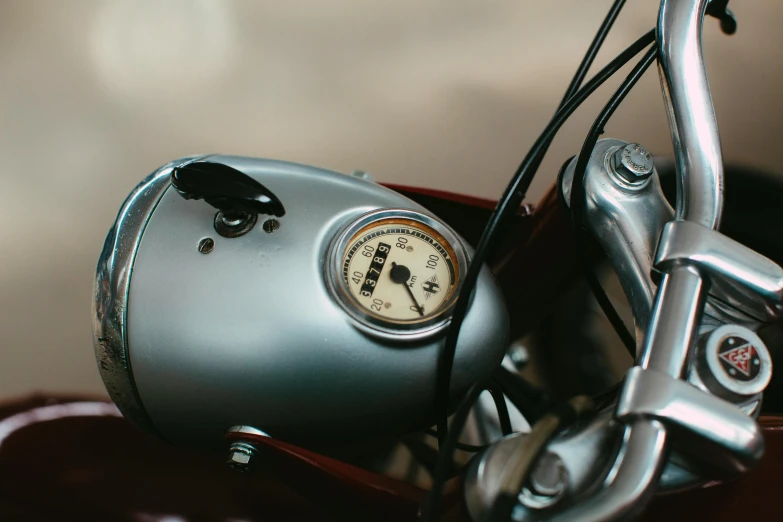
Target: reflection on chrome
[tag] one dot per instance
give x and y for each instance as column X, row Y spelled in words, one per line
column 56, row 411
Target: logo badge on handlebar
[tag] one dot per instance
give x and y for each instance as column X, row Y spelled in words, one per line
column 739, row 358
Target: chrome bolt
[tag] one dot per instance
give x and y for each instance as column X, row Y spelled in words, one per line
column 241, row 456
column 234, row 224
column 234, row 219
column 550, row 476
column 633, row 163
column 206, row 245
column 519, row 355
column 547, row 485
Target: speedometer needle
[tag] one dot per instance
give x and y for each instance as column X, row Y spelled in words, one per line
column 400, row 274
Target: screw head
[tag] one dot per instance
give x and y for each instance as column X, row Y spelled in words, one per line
column 241, row 457
column 271, row 225
column 206, row 245
column 633, row 163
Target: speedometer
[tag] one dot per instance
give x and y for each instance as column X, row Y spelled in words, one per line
column 397, row 271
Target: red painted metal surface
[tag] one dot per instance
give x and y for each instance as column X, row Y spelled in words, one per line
column 69, row 458
column 750, row 497
column 445, row 195
column 535, row 262
column 539, row 266
column 64, row 459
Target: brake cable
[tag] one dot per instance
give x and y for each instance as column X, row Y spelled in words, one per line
column 525, row 456
column 506, row 207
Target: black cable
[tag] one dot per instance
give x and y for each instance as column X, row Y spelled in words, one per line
column 511, row 200
column 578, row 192
column 628, row 340
column 592, row 281
column 425, row 455
column 496, row 391
column 584, row 66
column 530, row 401
column 592, row 51
column 471, row 448
column 506, row 207
column 447, row 446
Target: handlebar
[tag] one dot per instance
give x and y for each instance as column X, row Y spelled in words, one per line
column 691, row 114
column 681, row 294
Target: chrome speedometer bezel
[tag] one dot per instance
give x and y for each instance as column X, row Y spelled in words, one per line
column 376, row 324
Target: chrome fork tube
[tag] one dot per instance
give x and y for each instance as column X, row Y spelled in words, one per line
column 679, row 303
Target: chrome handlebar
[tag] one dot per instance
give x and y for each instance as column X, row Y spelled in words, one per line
column 682, row 292
column 655, row 393
column 691, row 114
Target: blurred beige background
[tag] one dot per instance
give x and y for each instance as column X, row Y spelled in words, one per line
column 448, row 94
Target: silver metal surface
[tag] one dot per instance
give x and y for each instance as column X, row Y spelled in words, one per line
column 519, row 355
column 751, row 370
column 680, row 298
column 110, row 303
column 247, row 430
column 242, row 456
column 648, row 393
column 376, row 324
column 675, row 320
column 627, row 221
column 739, row 276
column 673, row 326
column 549, row 476
column 362, row 175
column 584, row 453
column 633, row 164
column 694, row 128
column 251, row 335
column 630, row 482
column 548, row 483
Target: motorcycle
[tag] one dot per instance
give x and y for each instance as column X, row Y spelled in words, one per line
column 320, row 329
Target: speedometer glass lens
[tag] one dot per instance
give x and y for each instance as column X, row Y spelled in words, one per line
column 398, row 270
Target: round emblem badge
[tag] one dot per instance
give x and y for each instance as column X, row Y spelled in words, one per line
column 738, row 360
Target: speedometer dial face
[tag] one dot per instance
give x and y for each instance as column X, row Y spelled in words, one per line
column 398, row 270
